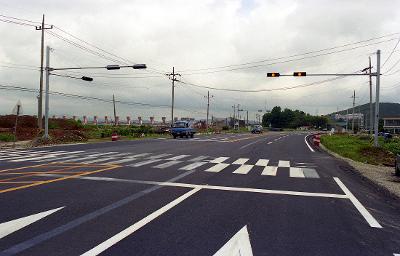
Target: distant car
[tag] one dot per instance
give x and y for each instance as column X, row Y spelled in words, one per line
column 183, row 128
column 257, row 129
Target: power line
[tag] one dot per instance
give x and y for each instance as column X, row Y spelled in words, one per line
column 292, row 56
column 391, row 53
column 291, row 60
column 19, row 19
column 17, row 22
column 263, row 90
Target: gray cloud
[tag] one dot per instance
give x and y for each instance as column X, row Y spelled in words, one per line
column 198, row 34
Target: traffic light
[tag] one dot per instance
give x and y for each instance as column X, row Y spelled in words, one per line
column 299, row 73
column 273, row 74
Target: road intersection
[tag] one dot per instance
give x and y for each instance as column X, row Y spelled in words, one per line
column 270, row 194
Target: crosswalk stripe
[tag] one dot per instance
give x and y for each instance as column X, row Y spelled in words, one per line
column 241, row 161
column 270, row 170
column 310, row 173
column 283, row 163
column 80, row 158
column 57, row 159
column 177, row 157
column 192, row 166
column 295, row 172
column 159, row 156
column 217, row 168
column 99, row 160
column 243, row 169
column 20, row 156
column 199, row 158
column 219, row 160
column 125, row 160
column 145, row 162
column 141, row 155
column 167, row 164
column 262, row 162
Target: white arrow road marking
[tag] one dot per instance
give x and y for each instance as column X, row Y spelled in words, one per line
column 238, row 245
column 11, row 226
column 131, row 229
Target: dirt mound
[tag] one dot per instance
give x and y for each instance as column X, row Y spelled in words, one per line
column 61, row 136
column 379, row 155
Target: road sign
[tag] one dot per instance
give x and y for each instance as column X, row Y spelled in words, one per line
column 17, row 110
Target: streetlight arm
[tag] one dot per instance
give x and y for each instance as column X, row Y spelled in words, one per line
column 108, row 67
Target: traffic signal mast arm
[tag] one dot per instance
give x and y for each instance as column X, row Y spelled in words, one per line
column 321, row 74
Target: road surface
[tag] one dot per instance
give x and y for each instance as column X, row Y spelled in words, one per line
column 237, row 194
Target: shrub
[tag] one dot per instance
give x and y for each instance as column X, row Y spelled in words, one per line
column 7, row 137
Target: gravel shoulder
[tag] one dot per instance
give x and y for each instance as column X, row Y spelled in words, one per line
column 381, row 176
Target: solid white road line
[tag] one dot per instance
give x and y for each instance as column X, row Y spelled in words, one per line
column 282, row 163
column 262, row 162
column 243, row 169
column 295, row 172
column 367, row 216
column 192, row 166
column 177, row 157
column 11, row 226
column 131, row 229
column 219, row 160
column 217, row 167
column 270, row 170
column 167, row 164
column 241, row 161
column 221, row 188
column 308, row 145
column 145, row 162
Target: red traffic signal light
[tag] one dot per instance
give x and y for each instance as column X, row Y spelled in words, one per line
column 273, row 74
column 299, row 73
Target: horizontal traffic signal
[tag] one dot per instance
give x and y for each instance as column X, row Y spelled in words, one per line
column 273, row 74
column 299, row 73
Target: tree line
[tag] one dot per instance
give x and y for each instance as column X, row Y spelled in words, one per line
column 292, row 119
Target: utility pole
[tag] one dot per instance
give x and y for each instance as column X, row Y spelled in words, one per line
column 378, row 78
column 115, row 112
column 172, row 77
column 42, row 28
column 371, row 118
column 354, row 103
column 208, row 107
column 46, row 126
column 347, row 119
column 234, row 115
column 247, row 117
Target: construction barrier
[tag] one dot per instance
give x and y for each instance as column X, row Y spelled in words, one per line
column 317, row 139
column 114, row 137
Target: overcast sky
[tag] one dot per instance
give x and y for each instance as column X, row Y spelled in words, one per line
column 196, row 37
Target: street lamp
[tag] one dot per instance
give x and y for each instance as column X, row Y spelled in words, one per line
column 84, row 78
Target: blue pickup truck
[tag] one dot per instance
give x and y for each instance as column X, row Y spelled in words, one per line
column 183, row 128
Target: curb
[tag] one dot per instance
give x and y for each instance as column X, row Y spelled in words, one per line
column 360, row 174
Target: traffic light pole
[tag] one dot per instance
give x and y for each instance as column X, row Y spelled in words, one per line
column 46, row 108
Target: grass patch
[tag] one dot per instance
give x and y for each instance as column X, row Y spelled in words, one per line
column 360, row 148
column 6, row 137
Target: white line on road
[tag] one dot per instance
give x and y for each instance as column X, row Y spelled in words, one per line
column 241, row 161
column 282, row 163
column 217, row 167
column 270, row 170
column 177, row 157
column 243, row 169
column 367, row 216
column 167, row 164
column 296, row 172
column 219, row 160
column 308, row 145
column 262, row 162
column 131, row 229
column 251, row 143
column 192, row 166
column 145, row 162
column 269, row 142
column 211, row 187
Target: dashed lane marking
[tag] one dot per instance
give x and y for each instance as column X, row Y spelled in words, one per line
column 217, row 168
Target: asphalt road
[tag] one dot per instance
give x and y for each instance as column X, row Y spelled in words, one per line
column 242, row 194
